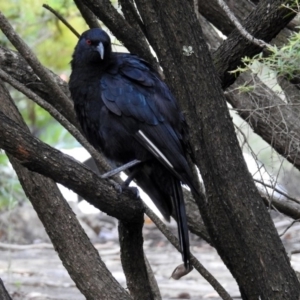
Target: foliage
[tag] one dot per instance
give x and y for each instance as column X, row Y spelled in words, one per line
column 284, row 60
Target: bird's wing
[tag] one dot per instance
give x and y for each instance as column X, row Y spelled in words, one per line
column 131, row 89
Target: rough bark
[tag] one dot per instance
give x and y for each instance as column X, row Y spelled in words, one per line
column 43, row 159
column 238, row 223
column 215, row 15
column 78, row 255
column 133, row 262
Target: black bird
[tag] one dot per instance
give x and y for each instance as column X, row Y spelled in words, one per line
column 127, row 111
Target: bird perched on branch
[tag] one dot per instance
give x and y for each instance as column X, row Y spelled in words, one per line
column 127, row 111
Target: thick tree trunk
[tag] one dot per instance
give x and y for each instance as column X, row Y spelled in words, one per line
column 238, row 222
column 133, row 261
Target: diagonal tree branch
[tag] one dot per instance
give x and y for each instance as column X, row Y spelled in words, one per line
column 101, row 162
column 86, row 13
column 133, row 261
column 239, row 27
column 217, row 16
column 39, row 157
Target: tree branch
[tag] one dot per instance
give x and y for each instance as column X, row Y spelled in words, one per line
column 62, row 19
column 216, row 16
column 100, row 161
column 133, row 262
column 274, row 120
column 230, row 189
column 240, row 28
column 132, row 17
column 87, row 14
column 41, row 158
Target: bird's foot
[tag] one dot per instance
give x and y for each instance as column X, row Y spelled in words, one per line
column 131, row 189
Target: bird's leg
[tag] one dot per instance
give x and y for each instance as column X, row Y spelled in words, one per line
column 131, row 176
column 120, row 169
column 125, row 185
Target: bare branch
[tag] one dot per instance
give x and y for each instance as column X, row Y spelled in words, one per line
column 61, row 18
column 274, row 120
column 131, row 15
column 87, row 14
column 240, row 28
column 133, row 262
column 153, row 282
column 265, row 22
column 287, row 207
column 286, row 229
column 278, row 191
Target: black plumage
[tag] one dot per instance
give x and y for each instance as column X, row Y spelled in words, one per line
column 127, row 111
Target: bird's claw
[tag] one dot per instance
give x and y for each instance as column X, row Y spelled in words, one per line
column 131, row 189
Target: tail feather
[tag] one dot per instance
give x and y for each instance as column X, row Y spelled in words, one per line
column 183, row 234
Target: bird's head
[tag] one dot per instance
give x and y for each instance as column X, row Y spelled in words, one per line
column 94, row 46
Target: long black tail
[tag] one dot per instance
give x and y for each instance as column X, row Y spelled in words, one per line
column 183, row 234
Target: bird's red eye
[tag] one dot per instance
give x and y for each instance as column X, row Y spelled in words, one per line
column 89, row 42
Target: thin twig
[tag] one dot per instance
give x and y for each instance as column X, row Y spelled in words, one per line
column 14, row 247
column 292, row 223
column 240, row 28
column 277, row 190
column 197, row 265
column 61, row 18
column 132, row 17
